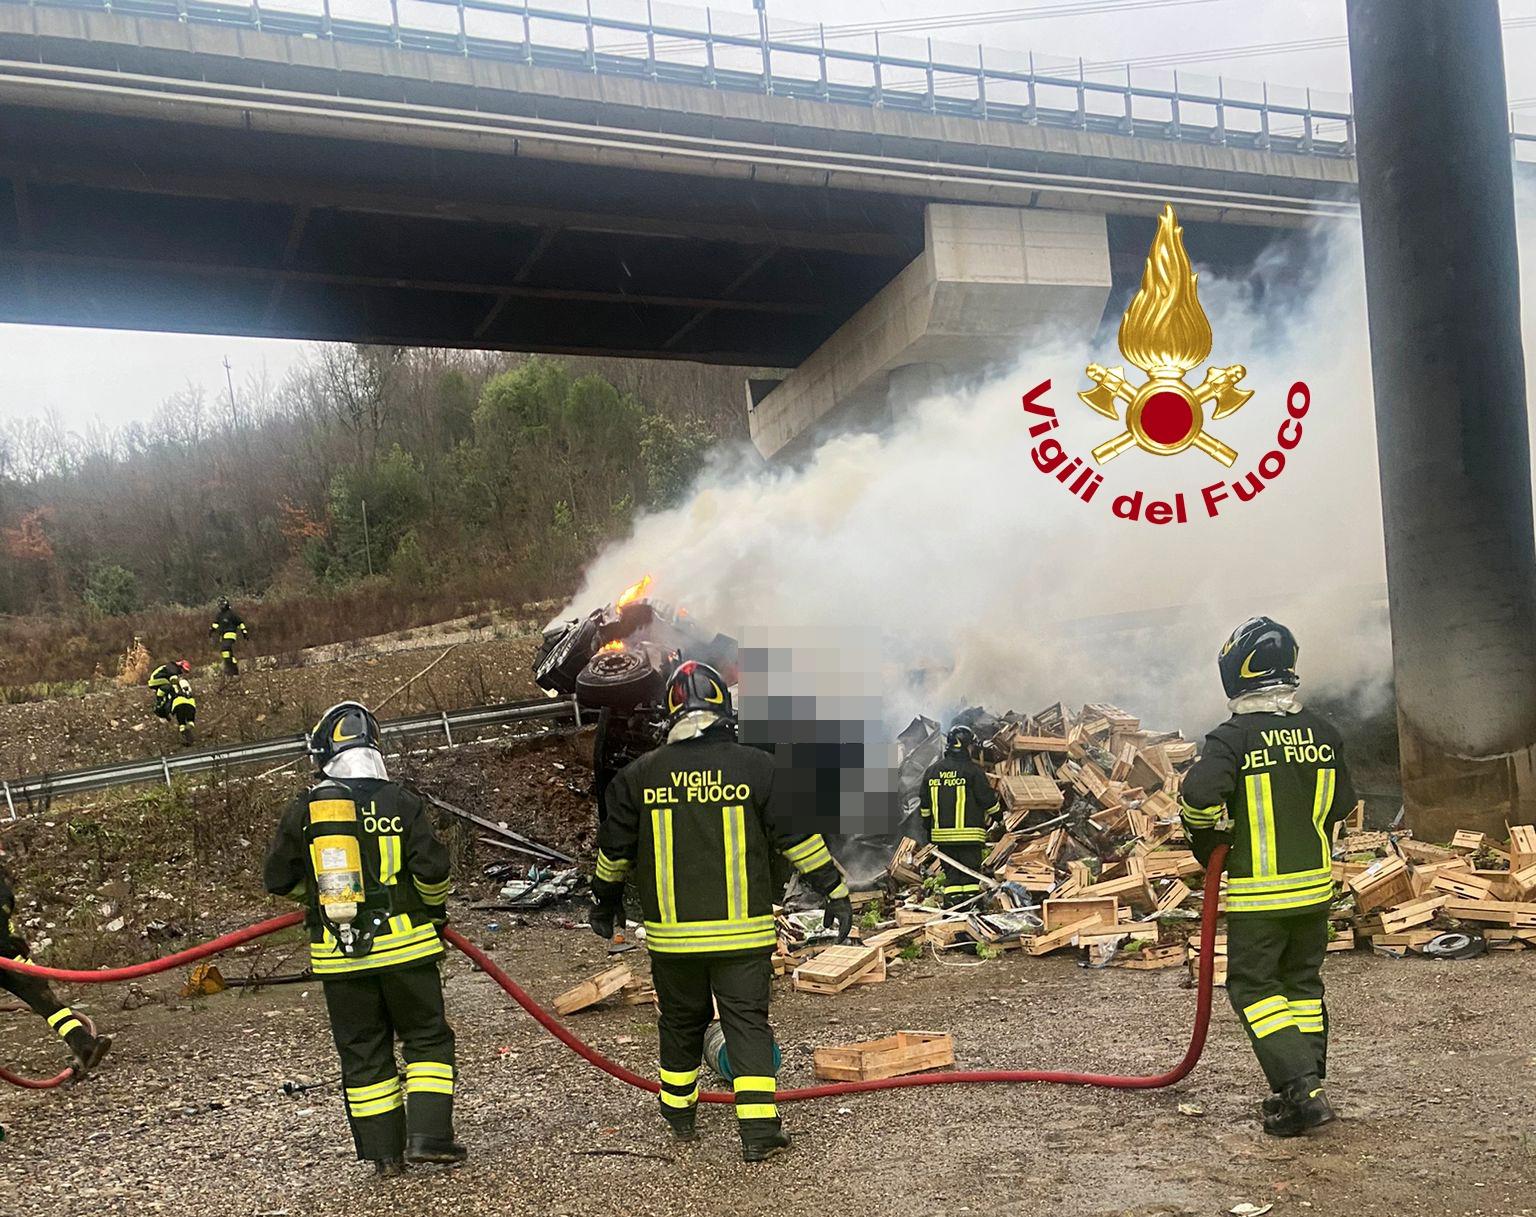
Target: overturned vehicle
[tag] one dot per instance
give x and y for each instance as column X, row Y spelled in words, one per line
column 618, row 659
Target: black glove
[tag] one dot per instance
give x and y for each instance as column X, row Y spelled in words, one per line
column 1203, row 842
column 607, row 903
column 840, row 914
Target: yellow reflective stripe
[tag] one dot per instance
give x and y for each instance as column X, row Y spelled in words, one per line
column 389, row 860
column 840, row 892
column 756, row 1111
column 680, row 1077
column 694, row 929
column 661, row 844
column 733, row 827
column 932, row 805
column 65, row 1028
column 427, row 1069
column 768, row 1085
column 1266, row 1027
column 960, row 805
column 433, row 893
column 810, row 854
column 1282, row 883
column 1322, row 801
column 414, row 943
column 374, row 1090
column 1265, row 1007
column 59, row 1015
column 1307, row 1005
column 612, row 870
column 1261, row 826
column 959, row 834
column 1267, row 902
column 1200, row 817
column 429, row 1086
column 703, row 943
column 680, row 1100
column 377, row 1107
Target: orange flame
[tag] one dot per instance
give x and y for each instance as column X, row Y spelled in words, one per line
column 633, row 592
column 1165, row 331
column 616, row 645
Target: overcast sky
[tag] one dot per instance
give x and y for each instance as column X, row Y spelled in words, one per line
column 115, row 376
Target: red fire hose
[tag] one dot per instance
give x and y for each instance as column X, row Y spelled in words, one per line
column 613, row 1069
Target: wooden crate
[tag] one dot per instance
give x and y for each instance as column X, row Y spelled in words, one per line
column 1168, row 863
column 1384, row 884
column 836, row 968
column 893, row 1056
column 1401, row 917
column 590, row 992
column 1343, row 940
column 1522, row 846
column 1029, row 792
column 1075, row 911
column 1464, row 884
column 1522, row 883
column 1151, row 959
column 1468, row 840
column 1494, row 912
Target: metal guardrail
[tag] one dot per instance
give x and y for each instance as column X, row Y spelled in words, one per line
column 164, row 768
column 795, row 63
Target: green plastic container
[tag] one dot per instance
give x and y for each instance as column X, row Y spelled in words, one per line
column 715, row 1055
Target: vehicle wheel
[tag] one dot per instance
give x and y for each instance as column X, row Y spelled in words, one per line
column 619, row 679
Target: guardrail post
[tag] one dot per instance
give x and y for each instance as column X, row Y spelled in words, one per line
column 181, row 9
column 981, row 79
column 527, row 35
column 762, row 35
column 1349, row 127
column 463, row 31
column 1082, row 96
column 1128, row 124
column 394, row 21
column 165, row 768
column 821, row 59
column 879, row 74
column 11, row 803
column 447, row 731
column 256, row 14
column 709, row 47
column 650, row 41
column 1034, row 101
column 1264, row 119
column 1178, row 130
column 592, row 39
column 1306, row 125
column 1221, row 110
column 933, row 105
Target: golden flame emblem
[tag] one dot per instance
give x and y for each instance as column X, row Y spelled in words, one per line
column 1165, row 333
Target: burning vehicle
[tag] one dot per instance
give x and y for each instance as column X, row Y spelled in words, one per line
column 618, row 658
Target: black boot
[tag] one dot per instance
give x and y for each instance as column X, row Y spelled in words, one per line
column 1304, row 1106
column 389, row 1168
column 759, row 1147
column 89, row 1050
column 683, row 1123
column 421, row 1148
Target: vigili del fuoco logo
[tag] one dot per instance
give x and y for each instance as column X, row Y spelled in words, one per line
column 1166, row 334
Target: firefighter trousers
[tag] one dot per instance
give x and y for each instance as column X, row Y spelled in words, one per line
column 227, row 654
column 39, row 996
column 1275, row 984
column 368, row 1010
column 688, row 989
column 958, row 885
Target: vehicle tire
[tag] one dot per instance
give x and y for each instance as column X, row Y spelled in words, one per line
column 618, row 679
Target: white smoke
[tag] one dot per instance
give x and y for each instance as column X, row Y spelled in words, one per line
column 942, row 540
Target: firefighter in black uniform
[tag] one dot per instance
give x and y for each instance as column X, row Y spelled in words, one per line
column 228, row 625
column 958, row 803
column 1271, row 781
column 360, row 852
column 74, row 1029
column 696, row 822
column 174, row 701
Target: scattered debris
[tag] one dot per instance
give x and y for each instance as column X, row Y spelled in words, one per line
column 902, row 1053
column 590, row 992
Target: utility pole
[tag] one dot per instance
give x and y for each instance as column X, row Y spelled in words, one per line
column 229, row 379
column 1437, row 217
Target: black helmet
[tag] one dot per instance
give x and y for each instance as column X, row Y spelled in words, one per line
column 223, row 602
column 960, row 739
column 348, row 724
column 1261, row 654
column 697, row 686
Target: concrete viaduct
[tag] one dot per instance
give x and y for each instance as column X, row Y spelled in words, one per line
column 223, row 168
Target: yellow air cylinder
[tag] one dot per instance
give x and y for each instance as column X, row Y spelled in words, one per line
column 337, row 861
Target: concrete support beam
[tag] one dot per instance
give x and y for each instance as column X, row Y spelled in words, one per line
column 1442, row 286
column 989, row 282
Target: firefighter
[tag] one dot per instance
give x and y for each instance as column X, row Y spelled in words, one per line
column 228, row 625
column 74, row 1029
column 174, row 701
column 1271, row 782
column 360, row 852
column 696, row 822
column 958, row 803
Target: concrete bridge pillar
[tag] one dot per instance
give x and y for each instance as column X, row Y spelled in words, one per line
column 990, row 282
column 1442, row 285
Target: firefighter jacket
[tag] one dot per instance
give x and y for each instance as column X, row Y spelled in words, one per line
column 697, row 822
column 405, row 871
column 11, row 945
column 1284, row 785
column 957, row 800
column 228, row 624
column 161, row 679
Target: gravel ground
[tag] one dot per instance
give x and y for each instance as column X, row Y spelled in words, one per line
column 1433, row 1071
